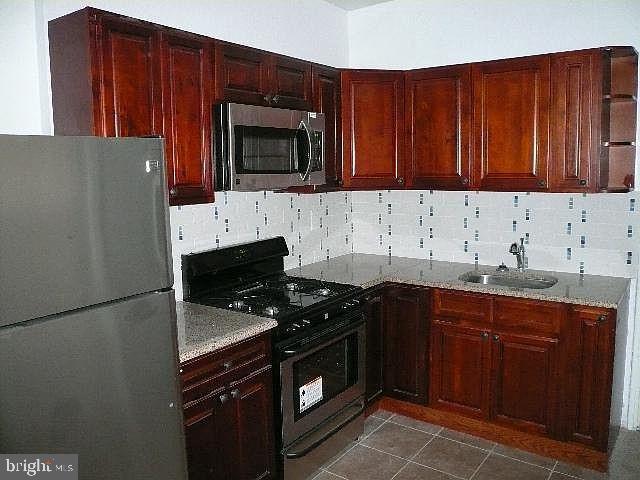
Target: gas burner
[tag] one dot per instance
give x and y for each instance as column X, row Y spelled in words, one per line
column 237, row 304
column 323, row 292
column 271, row 311
column 292, row 286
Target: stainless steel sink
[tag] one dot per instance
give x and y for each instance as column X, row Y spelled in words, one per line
column 509, row 279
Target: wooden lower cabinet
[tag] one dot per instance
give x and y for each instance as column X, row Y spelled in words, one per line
column 589, row 367
column 525, row 380
column 228, row 413
column 253, row 421
column 406, row 321
column 459, row 365
column 373, row 309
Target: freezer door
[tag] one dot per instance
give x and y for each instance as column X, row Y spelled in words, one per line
column 83, row 220
column 101, row 382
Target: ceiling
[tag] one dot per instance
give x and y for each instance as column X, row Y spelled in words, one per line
column 355, row 4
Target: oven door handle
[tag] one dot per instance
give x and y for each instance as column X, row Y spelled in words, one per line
column 351, row 413
column 328, row 335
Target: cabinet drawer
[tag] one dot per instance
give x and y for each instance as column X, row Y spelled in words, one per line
column 200, row 375
column 462, row 307
column 200, row 409
column 527, row 316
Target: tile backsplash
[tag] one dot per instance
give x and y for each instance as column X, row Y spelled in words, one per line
column 594, row 234
column 315, row 226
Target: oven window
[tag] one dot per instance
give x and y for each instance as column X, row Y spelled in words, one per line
column 270, row 150
column 324, row 374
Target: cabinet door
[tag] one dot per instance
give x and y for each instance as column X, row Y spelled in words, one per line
column 242, row 74
column 438, row 117
column 326, row 99
column 375, row 335
column 571, row 114
column 406, row 312
column 130, row 80
column 208, row 422
column 511, row 124
column 372, row 126
column 588, row 375
column 290, row 83
column 187, row 100
column 254, row 456
column 460, row 364
column 525, row 381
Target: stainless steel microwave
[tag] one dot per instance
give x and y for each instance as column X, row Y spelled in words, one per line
column 263, row 148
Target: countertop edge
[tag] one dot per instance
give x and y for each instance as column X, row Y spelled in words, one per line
column 231, row 338
column 467, row 287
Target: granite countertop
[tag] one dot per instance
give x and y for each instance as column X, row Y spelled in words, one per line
column 369, row 270
column 203, row 329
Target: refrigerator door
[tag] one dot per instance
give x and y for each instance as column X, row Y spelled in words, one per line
column 101, row 382
column 84, row 220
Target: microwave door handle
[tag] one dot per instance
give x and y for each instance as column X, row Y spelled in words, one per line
column 303, row 126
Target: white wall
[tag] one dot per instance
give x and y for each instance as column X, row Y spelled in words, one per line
column 416, row 33
column 19, row 69
column 310, row 29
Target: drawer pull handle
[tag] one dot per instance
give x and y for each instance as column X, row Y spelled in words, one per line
column 602, row 318
column 224, row 398
column 227, row 365
column 496, row 338
column 235, row 394
column 484, row 335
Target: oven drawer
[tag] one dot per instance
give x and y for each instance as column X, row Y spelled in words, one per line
column 204, row 374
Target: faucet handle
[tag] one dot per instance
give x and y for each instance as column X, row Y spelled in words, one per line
column 514, row 248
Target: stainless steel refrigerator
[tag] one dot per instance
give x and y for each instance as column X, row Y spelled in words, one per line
column 88, row 360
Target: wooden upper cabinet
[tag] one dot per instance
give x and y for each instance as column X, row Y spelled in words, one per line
column 105, row 75
column 588, row 374
column 372, row 126
column 511, row 124
column 187, row 98
column 438, row 125
column 248, row 75
column 130, row 78
column 290, row 83
column 572, row 121
column 242, row 74
column 326, row 100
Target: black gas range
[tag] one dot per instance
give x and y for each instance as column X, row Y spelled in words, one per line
column 318, row 351
column 250, row 278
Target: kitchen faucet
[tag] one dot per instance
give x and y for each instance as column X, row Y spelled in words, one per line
column 518, row 251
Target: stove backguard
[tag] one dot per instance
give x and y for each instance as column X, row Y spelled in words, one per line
column 228, row 267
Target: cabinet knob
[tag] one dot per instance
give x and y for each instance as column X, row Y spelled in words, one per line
column 235, row 394
column 173, row 192
column 465, row 181
column 275, row 99
column 227, row 365
column 602, row 318
column 181, row 370
column 267, row 98
column 542, row 183
column 496, row 338
column 224, row 398
column 401, row 180
column 484, row 335
column 582, row 182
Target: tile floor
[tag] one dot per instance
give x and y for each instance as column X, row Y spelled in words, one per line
column 394, row 447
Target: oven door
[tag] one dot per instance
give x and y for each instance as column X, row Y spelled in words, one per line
column 265, row 148
column 321, row 378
